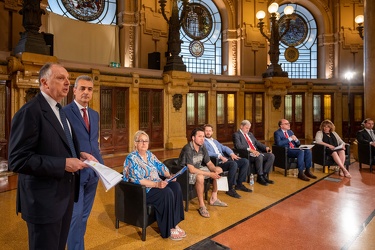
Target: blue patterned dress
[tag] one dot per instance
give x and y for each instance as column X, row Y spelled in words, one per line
column 168, row 201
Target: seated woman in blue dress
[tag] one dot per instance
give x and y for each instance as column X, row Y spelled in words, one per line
column 335, row 145
column 142, row 167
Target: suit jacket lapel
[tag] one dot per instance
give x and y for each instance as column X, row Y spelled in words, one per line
column 51, row 118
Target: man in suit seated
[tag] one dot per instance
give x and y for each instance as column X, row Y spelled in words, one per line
column 285, row 137
column 366, row 135
column 249, row 147
column 230, row 164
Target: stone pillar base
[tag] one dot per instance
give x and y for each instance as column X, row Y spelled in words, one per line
column 32, row 42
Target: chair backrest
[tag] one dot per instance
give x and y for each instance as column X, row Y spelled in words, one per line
column 365, row 154
column 320, row 157
column 131, row 206
column 281, row 158
column 171, row 163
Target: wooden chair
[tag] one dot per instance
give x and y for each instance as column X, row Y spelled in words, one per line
column 131, row 207
column 188, row 190
column 282, row 160
column 320, row 157
column 365, row 155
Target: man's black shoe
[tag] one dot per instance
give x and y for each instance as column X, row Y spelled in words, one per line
column 261, row 180
column 233, row 193
column 303, row 177
column 243, row 188
column 268, row 180
column 309, row 174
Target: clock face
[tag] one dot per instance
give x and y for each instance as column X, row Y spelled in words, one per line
column 291, row 54
column 196, row 48
column 85, row 10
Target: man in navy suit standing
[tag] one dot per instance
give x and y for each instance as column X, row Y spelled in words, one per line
column 285, row 137
column 85, row 122
column 44, row 151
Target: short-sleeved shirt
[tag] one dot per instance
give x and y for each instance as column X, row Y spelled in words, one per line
column 188, row 155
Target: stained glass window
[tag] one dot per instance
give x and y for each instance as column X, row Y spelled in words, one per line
column 201, row 36
column 92, row 11
column 302, row 35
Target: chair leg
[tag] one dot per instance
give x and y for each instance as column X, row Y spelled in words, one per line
column 286, row 172
column 117, row 223
column 187, row 202
column 143, row 233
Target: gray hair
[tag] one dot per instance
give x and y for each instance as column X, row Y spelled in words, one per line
column 45, row 71
column 245, row 122
column 82, row 77
column 138, row 134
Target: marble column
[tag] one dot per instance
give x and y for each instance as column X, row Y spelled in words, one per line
column 369, row 58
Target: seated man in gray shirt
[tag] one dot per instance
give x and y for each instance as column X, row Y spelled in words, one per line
column 192, row 155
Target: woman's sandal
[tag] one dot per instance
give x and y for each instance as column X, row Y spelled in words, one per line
column 181, row 231
column 175, row 235
column 345, row 174
column 203, row 212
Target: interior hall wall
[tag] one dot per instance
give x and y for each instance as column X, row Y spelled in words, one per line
column 254, row 49
column 154, row 32
column 10, row 19
column 83, row 42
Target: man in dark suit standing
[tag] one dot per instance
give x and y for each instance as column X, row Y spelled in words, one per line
column 248, row 147
column 46, row 161
column 285, row 137
column 85, row 122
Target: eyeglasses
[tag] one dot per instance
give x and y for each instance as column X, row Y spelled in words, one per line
column 142, row 141
column 286, row 123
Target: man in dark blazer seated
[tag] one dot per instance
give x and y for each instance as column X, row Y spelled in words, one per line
column 228, row 161
column 248, row 147
column 285, row 137
column 85, row 122
column 366, row 135
column 47, row 162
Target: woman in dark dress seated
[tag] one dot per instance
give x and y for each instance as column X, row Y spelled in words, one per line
column 335, row 145
column 142, row 167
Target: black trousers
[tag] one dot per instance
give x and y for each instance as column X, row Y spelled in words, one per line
column 52, row 235
column 168, row 206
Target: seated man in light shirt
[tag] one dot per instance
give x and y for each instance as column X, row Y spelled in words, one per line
column 230, row 164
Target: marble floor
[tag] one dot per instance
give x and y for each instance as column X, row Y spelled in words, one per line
column 333, row 213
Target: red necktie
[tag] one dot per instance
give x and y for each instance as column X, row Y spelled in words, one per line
column 86, row 119
column 290, row 143
column 249, row 142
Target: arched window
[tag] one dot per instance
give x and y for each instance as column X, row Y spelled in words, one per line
column 201, row 36
column 92, row 11
column 298, row 47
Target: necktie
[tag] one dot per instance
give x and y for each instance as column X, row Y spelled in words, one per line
column 290, row 143
column 86, row 119
column 249, row 142
column 372, row 135
column 66, row 130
